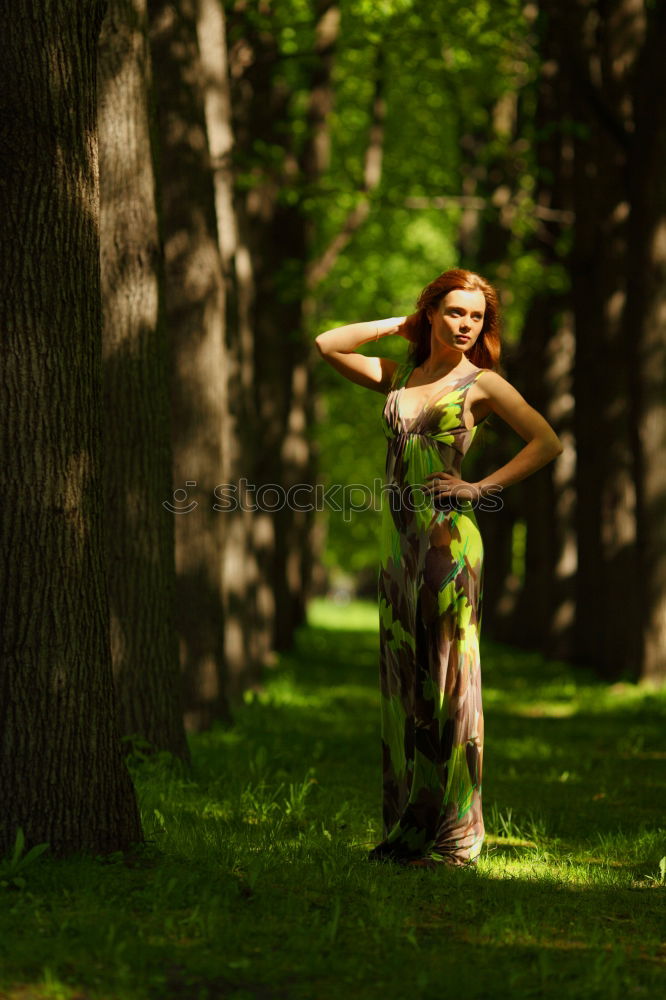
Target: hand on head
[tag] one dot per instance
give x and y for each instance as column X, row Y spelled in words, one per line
column 410, row 327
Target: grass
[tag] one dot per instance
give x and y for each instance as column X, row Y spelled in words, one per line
column 254, row 882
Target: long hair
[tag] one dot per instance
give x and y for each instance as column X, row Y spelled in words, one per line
column 487, row 348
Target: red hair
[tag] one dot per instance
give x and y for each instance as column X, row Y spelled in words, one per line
column 487, row 348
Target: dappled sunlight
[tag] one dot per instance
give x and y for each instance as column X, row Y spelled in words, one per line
column 285, row 692
column 256, row 857
column 352, row 616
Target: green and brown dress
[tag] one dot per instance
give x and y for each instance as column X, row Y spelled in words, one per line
column 430, row 587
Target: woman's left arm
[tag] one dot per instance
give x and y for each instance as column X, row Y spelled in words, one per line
column 543, row 444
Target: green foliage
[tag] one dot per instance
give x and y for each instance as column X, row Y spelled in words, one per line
column 441, row 70
column 17, row 862
column 452, row 80
column 254, row 881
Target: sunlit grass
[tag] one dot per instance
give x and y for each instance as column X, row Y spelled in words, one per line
column 254, row 881
column 355, row 616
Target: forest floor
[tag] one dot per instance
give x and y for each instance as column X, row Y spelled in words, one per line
column 254, row 883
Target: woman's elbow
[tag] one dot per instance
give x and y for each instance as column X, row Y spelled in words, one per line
column 553, row 446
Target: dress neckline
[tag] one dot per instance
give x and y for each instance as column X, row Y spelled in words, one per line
column 431, row 402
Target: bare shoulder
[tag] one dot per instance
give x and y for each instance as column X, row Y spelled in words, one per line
column 497, row 390
column 490, row 383
column 496, row 394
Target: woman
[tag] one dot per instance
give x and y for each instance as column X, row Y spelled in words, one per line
column 430, row 582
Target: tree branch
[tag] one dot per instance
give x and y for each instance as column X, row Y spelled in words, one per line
column 372, row 175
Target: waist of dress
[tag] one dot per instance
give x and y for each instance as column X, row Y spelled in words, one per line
column 400, row 492
column 398, row 433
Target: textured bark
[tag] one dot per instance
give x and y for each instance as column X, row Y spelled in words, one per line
column 593, row 55
column 137, row 432
column 274, row 229
column 302, row 541
column 61, row 768
column 544, row 614
column 245, row 641
column 273, row 234
column 195, row 317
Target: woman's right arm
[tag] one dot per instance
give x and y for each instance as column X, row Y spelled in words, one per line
column 338, row 348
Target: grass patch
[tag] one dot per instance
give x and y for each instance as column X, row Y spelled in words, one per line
column 254, row 881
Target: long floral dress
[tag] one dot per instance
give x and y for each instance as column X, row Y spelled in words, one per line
column 430, row 587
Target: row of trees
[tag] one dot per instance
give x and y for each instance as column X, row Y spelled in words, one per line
column 593, row 350
column 153, row 312
column 190, row 190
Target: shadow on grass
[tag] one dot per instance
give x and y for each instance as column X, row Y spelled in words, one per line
column 558, row 741
column 255, row 882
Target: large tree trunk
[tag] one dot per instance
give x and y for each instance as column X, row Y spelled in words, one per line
column 195, row 317
column 137, row 441
column 62, row 774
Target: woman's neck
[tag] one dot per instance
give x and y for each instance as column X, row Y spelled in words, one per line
column 441, row 368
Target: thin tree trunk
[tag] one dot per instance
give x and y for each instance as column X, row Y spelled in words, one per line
column 242, row 644
column 544, row 614
column 299, row 450
column 274, row 233
column 62, row 774
column 195, row 317
column 645, row 328
column 596, row 58
column 274, row 229
column 137, row 441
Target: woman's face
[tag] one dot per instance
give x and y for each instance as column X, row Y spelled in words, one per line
column 458, row 319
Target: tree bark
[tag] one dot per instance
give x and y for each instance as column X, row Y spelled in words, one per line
column 195, row 317
column 137, row 443
column 645, row 328
column 62, row 773
column 273, row 225
column 595, row 58
column 245, row 640
column 544, row 614
column 300, row 451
